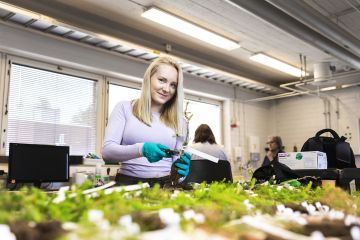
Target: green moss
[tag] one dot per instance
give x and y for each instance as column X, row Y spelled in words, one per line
column 218, row 202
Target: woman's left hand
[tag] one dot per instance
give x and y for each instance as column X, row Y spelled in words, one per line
column 184, row 165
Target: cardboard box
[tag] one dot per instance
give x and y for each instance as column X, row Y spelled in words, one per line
column 304, row 160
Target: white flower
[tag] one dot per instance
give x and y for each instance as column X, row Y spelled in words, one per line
column 125, row 220
column 280, row 208
column 95, row 215
column 355, row 233
column 133, row 229
column 248, row 205
column 103, row 225
column 69, row 226
column 317, row 235
column 333, row 214
column 169, row 217
column 130, row 227
column 199, row 218
column 5, row 233
column 351, row 219
column 189, row 214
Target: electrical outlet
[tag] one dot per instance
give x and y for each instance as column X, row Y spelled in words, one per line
column 168, row 47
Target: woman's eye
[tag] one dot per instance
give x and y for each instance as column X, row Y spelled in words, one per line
column 162, row 80
column 173, row 86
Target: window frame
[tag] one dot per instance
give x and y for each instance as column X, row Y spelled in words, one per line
column 118, row 82
column 3, row 96
column 216, row 102
column 358, row 136
column 10, row 59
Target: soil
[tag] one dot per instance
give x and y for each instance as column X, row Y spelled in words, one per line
column 329, row 228
column 47, row 230
column 148, row 221
column 174, row 175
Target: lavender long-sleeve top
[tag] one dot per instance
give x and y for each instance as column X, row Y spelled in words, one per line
column 124, row 137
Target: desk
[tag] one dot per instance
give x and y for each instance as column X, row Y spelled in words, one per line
column 78, row 168
column 73, row 169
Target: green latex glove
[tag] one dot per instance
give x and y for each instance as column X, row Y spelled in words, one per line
column 183, row 164
column 154, row 152
column 294, row 183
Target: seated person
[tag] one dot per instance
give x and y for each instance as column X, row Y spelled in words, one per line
column 204, row 141
column 275, row 147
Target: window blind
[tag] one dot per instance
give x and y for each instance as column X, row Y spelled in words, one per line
column 51, row 108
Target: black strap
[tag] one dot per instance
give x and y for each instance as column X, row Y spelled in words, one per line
column 335, row 135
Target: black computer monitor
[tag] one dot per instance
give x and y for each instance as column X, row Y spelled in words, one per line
column 35, row 163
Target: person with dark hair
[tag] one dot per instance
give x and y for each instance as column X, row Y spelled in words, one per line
column 204, row 141
column 275, row 147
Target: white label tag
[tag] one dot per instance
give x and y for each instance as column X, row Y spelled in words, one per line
column 352, row 185
column 201, row 154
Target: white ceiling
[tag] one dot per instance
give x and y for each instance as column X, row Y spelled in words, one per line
column 121, row 19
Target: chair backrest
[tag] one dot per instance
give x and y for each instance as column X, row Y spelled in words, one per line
column 207, row 171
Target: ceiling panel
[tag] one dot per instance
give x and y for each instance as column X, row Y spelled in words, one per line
column 122, row 19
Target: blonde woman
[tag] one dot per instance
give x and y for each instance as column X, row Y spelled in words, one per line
column 139, row 131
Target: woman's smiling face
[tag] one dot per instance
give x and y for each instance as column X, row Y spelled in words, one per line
column 163, row 85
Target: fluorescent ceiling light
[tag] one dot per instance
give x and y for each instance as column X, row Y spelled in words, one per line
column 328, row 88
column 188, row 28
column 279, row 65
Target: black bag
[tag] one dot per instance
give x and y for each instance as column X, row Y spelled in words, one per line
column 339, row 153
column 280, row 171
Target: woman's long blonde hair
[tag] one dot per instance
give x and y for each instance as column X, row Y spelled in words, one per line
column 172, row 112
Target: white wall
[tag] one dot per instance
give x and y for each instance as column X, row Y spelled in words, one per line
column 299, row 118
column 253, row 119
column 346, row 122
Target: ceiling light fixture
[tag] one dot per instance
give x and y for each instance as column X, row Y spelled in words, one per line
column 181, row 25
column 279, row 65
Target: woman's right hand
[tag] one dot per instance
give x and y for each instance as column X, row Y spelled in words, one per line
column 154, row 152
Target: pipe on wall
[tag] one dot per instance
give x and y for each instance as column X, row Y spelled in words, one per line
column 281, row 20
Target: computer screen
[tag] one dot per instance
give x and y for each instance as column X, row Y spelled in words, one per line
column 35, row 163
